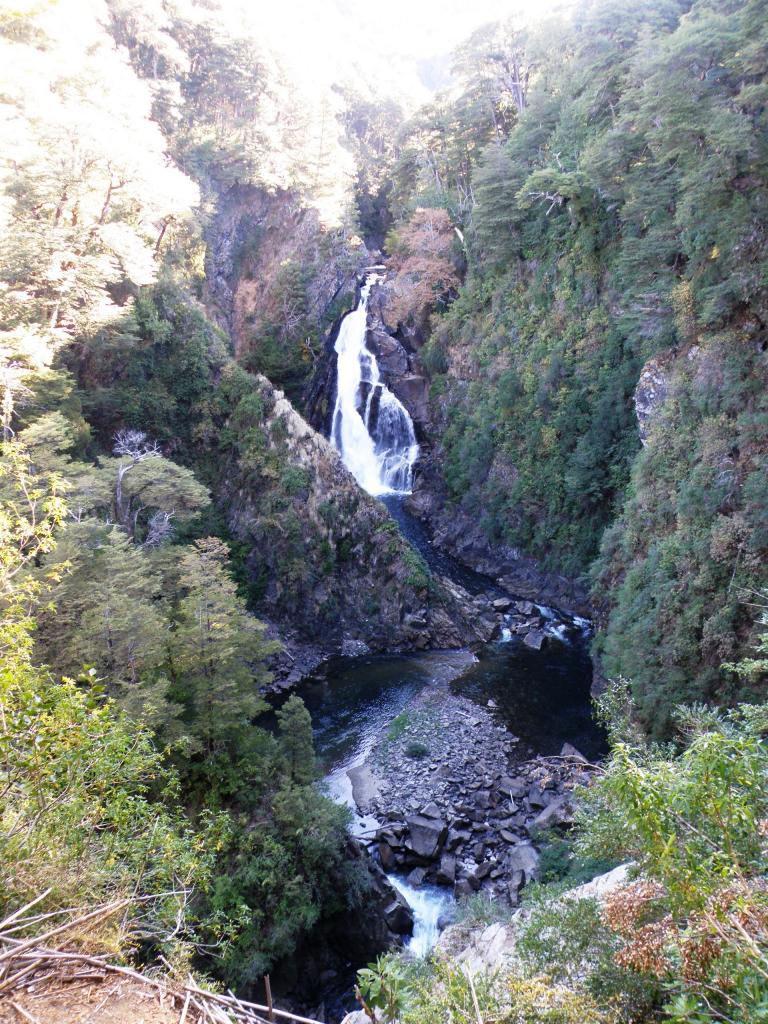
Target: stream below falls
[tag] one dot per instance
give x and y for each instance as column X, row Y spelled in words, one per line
column 542, row 697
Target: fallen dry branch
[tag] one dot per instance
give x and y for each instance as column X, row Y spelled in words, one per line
column 32, row 966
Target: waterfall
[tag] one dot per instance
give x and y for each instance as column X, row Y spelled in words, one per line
column 428, row 903
column 371, row 428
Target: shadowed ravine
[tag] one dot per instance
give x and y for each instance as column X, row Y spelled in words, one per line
column 542, row 697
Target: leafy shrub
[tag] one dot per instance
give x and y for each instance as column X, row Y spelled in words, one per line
column 398, row 726
column 446, row 992
column 479, row 908
column 418, row 575
column 694, row 821
column 417, row 750
column 567, row 941
column 382, row 986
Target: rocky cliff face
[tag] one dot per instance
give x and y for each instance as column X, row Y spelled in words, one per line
column 252, row 235
column 397, row 353
column 331, row 566
column 650, row 394
column 461, row 534
column 327, row 565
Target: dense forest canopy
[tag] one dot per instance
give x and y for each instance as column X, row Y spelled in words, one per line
column 575, row 230
column 607, row 175
column 117, row 574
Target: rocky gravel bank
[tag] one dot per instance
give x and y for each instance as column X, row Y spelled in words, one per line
column 458, row 805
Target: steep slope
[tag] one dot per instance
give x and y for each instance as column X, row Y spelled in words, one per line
column 326, row 558
column 319, row 557
column 276, row 280
column 612, row 216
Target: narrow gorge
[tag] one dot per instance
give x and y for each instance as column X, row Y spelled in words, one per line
column 384, row 512
column 439, row 756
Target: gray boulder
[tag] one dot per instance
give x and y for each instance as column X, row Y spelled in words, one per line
column 427, row 835
column 456, row 839
column 536, row 797
column 573, row 754
column 399, row 917
column 512, row 786
column 559, row 812
column 386, row 855
column 462, row 888
column 446, row 873
column 524, row 858
column 416, row 877
column 483, row 799
column 535, row 639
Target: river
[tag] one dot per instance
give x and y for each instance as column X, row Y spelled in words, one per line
column 541, row 696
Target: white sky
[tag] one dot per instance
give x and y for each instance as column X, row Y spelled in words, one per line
column 381, row 44
column 424, row 28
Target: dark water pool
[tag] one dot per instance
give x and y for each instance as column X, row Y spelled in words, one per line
column 541, row 696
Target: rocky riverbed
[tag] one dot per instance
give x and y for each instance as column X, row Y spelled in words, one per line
column 457, row 804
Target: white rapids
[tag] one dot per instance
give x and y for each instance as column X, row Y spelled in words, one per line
column 371, row 428
column 428, row 903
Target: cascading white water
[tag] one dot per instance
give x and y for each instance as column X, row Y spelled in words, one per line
column 371, row 428
column 428, row 904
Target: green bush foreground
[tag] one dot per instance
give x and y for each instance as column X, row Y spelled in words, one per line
column 685, row 940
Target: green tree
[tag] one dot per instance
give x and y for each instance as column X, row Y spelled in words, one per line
column 79, row 820
column 106, row 615
column 89, row 186
column 149, row 490
column 296, row 741
column 217, row 649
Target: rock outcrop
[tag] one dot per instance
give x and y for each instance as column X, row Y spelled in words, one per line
column 650, row 394
column 656, row 384
column 253, row 234
column 396, row 351
column 491, row 948
column 329, row 562
column 458, row 805
column 461, row 534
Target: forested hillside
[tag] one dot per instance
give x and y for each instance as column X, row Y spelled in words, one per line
column 571, row 304
column 132, row 661
column 605, row 180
